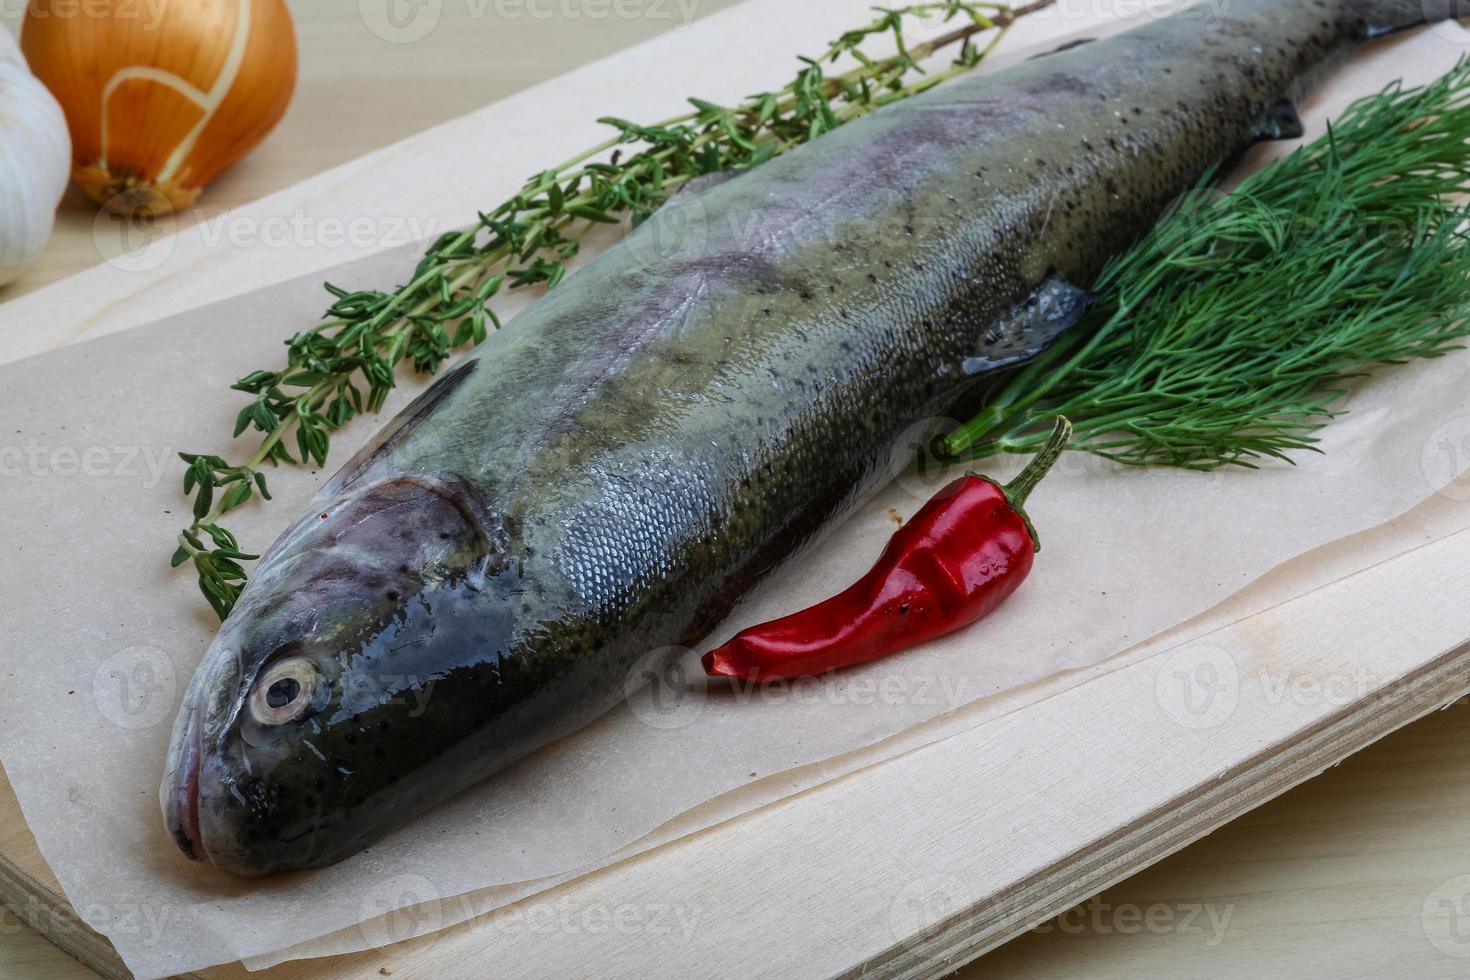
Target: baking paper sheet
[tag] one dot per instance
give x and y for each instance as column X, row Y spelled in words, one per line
column 98, row 638
column 508, row 907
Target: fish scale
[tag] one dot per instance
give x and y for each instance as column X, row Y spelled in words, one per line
column 609, row 474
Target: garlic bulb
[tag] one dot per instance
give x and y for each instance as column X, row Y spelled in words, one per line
column 162, row 98
column 34, row 151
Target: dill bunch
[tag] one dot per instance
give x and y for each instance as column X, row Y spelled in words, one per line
column 1232, row 330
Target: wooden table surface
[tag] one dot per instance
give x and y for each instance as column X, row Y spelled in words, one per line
column 1333, row 879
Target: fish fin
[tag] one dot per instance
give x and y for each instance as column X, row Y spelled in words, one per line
column 1391, row 16
column 1278, row 122
column 1031, row 326
column 1076, row 42
column 397, row 430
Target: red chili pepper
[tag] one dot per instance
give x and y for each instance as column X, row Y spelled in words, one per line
column 960, row 557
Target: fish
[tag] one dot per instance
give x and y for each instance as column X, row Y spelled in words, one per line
column 597, row 485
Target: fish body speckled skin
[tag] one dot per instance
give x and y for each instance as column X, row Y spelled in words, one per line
column 610, row 473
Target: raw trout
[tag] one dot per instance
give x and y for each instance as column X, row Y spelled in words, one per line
column 610, row 473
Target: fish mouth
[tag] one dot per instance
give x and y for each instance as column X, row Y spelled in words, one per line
column 181, row 787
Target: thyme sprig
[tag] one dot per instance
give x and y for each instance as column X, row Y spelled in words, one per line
column 345, row 365
column 1233, row 330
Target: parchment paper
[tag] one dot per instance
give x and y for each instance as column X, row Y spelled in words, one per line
column 98, row 637
column 508, row 907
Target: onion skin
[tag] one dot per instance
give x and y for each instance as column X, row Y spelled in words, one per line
column 121, row 71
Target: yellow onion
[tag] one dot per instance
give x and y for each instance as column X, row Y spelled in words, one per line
column 161, row 98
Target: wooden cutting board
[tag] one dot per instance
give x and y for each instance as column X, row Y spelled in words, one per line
column 917, row 865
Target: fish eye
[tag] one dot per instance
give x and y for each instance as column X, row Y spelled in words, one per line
column 284, row 692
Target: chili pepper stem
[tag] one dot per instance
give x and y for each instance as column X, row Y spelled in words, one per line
column 1020, row 488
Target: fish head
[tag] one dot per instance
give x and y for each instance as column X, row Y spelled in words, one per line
column 294, row 745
